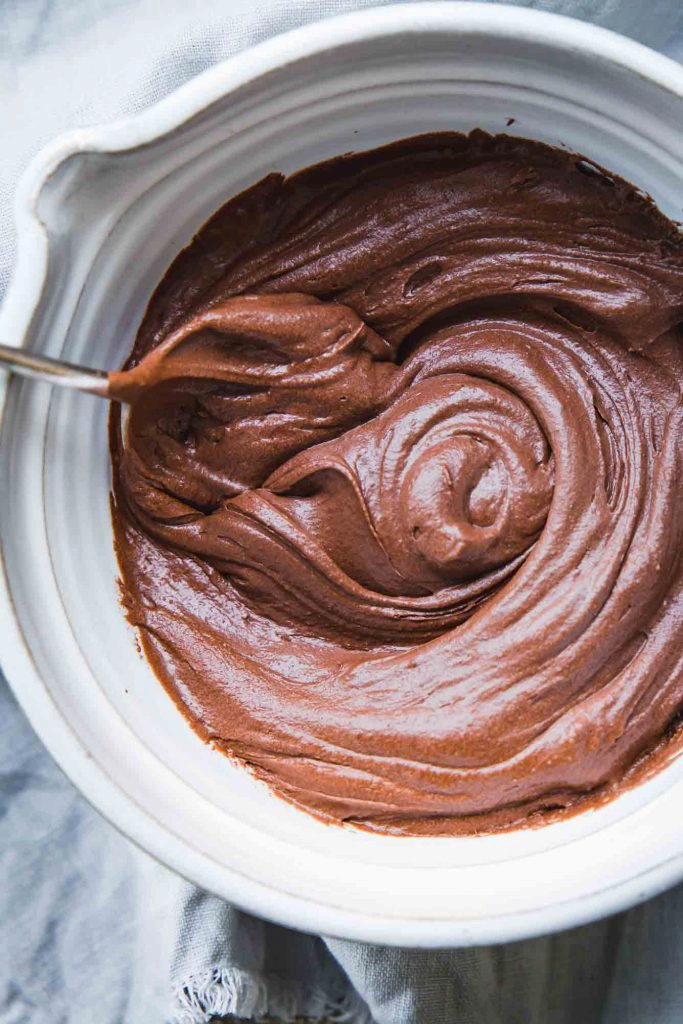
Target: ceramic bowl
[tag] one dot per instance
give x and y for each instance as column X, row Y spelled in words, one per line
column 100, row 214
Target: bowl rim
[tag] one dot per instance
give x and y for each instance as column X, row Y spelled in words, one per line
column 24, row 296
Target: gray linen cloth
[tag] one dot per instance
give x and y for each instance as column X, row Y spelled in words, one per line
column 91, row 929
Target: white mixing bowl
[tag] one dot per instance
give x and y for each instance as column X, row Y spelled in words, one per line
column 100, row 215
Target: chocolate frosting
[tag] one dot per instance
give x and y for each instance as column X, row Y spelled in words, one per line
column 399, row 508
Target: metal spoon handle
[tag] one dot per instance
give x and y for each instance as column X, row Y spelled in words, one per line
column 54, row 371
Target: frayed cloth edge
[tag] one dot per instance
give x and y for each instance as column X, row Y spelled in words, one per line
column 219, row 991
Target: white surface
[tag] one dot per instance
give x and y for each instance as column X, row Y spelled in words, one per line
column 116, row 204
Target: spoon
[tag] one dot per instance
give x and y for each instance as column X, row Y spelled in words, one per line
column 54, row 371
column 292, row 323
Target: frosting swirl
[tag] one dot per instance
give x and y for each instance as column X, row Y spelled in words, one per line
column 399, row 512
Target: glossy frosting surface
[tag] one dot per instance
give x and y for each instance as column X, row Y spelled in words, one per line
column 399, row 512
